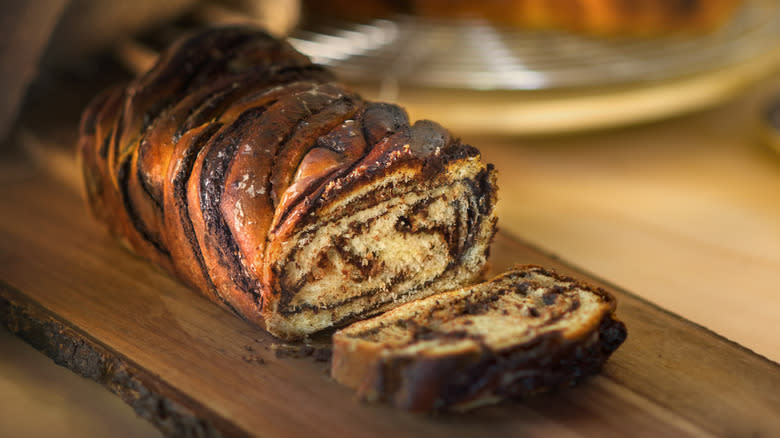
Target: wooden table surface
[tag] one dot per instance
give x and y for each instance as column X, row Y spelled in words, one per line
column 684, row 213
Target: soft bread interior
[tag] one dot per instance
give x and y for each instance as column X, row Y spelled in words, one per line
column 512, row 310
column 390, row 242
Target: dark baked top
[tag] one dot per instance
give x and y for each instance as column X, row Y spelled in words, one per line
column 214, row 162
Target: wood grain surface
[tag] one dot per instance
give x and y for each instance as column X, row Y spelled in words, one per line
column 685, row 213
column 192, row 368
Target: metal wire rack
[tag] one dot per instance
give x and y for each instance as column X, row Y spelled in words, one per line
column 411, row 51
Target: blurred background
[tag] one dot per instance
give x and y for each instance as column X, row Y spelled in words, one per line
column 511, row 67
column 634, row 139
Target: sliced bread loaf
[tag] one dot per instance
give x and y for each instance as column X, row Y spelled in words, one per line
column 525, row 331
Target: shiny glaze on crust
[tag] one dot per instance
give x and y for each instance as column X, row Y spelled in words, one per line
column 230, row 144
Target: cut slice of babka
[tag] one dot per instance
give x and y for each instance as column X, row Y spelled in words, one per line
column 526, row 331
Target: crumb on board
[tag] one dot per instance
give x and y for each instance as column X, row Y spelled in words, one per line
column 253, row 359
column 299, row 351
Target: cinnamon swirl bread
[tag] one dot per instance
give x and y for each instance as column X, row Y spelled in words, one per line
column 527, row 330
column 278, row 193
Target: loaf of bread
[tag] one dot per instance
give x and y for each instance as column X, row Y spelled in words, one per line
column 527, row 330
column 278, row 193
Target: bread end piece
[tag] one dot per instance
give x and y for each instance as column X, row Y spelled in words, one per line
column 526, row 331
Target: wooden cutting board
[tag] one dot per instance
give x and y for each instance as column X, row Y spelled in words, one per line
column 193, row 369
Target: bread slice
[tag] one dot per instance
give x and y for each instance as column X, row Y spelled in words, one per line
column 526, row 331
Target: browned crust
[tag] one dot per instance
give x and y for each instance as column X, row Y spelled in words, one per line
column 231, row 143
column 463, row 380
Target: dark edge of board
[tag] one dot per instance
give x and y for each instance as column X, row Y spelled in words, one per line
column 169, row 410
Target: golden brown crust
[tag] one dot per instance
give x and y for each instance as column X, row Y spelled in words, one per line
column 216, row 162
column 525, row 331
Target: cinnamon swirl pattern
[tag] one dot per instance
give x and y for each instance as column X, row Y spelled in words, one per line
column 526, row 331
column 257, row 179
